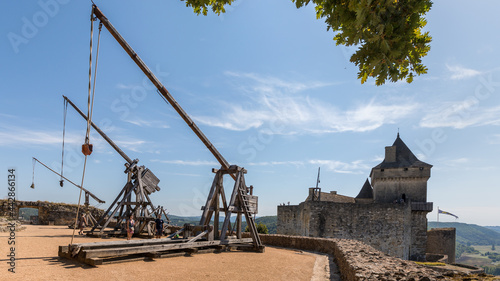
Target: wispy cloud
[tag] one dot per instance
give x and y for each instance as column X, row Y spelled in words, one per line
column 298, row 115
column 7, row 115
column 151, row 124
column 187, row 163
column 494, row 139
column 275, row 107
column 24, row 137
column 460, row 115
column 278, row 163
column 268, row 84
column 459, row 72
column 132, row 145
column 457, row 162
column 355, row 167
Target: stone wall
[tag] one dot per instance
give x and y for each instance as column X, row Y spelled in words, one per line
column 390, row 184
column 290, row 220
column 48, row 212
column 418, row 235
column 392, row 228
column 386, row 227
column 442, row 241
column 388, row 190
column 356, row 260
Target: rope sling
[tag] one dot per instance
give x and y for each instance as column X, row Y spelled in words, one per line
column 65, row 111
column 87, row 147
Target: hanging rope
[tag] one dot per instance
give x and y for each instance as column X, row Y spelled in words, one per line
column 65, row 110
column 87, row 148
column 95, row 76
column 33, row 177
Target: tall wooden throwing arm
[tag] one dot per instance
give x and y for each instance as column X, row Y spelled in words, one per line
column 163, row 91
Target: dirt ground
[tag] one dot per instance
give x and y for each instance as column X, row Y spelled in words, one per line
column 36, row 259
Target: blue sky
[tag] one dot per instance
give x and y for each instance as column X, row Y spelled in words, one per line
column 268, row 86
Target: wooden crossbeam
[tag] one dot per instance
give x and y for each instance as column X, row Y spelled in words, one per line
column 199, row 236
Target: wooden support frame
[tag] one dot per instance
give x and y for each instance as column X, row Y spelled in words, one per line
column 140, row 183
column 241, row 203
column 135, row 201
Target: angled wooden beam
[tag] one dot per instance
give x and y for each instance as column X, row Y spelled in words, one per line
column 163, row 91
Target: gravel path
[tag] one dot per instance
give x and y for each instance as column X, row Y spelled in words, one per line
column 36, row 259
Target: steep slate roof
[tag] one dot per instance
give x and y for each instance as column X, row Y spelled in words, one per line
column 404, row 157
column 366, row 191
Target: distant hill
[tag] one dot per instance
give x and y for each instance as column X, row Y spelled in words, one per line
column 471, row 233
column 495, row 228
column 269, row 221
column 178, row 220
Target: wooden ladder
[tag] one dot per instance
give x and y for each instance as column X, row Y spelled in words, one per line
column 242, row 195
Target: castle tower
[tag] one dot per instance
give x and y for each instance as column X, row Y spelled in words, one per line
column 401, row 176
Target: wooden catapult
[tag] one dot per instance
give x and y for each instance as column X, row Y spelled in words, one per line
column 91, row 220
column 132, row 199
column 191, row 238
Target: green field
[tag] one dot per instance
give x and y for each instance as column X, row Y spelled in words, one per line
column 480, row 259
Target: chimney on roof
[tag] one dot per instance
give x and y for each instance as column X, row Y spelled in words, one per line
column 390, row 154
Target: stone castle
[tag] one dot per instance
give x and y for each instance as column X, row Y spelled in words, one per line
column 389, row 214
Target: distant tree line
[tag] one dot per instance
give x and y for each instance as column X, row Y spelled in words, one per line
column 461, row 248
column 493, row 270
column 261, row 228
column 494, row 257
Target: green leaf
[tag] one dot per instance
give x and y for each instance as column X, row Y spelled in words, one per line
column 392, row 28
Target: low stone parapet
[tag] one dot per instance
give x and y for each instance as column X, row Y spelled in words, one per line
column 356, row 260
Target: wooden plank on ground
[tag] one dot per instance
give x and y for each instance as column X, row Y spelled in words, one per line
column 94, row 261
column 96, row 253
column 124, row 243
